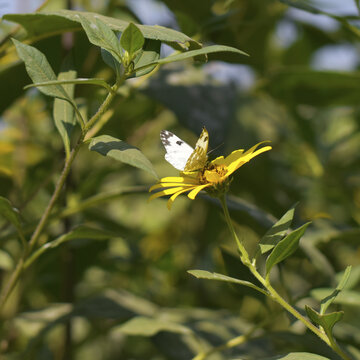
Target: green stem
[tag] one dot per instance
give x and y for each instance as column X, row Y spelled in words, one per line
column 35, row 236
column 15, row 276
column 244, row 256
column 243, row 253
column 104, row 106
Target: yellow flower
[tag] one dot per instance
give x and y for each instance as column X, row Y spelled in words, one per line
column 214, row 177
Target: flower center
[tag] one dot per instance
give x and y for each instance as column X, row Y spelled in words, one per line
column 213, row 174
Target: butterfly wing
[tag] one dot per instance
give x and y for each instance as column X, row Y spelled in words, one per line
column 198, row 158
column 177, row 151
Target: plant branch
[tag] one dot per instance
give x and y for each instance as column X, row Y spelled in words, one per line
column 15, row 276
column 244, row 256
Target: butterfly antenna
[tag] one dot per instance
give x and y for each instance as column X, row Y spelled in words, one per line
column 209, row 152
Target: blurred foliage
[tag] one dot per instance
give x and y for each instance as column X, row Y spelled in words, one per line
column 126, row 294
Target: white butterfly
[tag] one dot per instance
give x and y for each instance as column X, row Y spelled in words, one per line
column 181, row 155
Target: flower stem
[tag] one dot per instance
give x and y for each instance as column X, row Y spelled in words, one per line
column 244, row 256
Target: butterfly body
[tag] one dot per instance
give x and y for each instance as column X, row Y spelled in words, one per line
column 181, row 155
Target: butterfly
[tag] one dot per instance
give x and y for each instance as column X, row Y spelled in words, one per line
column 181, row 155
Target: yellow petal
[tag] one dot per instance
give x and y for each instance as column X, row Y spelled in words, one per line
column 179, row 179
column 166, row 192
column 168, row 185
column 172, row 198
column 218, row 161
column 245, row 158
column 192, row 194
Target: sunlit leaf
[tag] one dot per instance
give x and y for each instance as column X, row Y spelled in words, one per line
column 132, row 39
column 121, row 151
column 47, row 23
column 40, row 70
column 100, row 34
column 202, row 274
column 285, row 247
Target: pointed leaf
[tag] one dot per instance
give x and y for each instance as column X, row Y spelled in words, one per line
column 132, row 39
column 194, row 53
column 39, row 70
column 326, row 302
column 326, row 321
column 63, row 112
column 80, row 81
column 354, row 277
column 202, row 274
column 100, row 34
column 299, row 356
column 47, row 23
column 9, row 212
column 345, row 297
column 149, row 55
column 285, row 247
column 121, row 151
column 146, row 326
column 277, row 231
column 81, row 232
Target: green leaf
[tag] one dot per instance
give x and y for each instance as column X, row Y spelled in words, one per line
column 40, row 70
column 326, row 321
column 50, row 23
column 81, row 232
column 121, row 151
column 132, row 40
column 79, row 81
column 277, row 231
column 299, row 356
column 149, row 55
column 10, row 213
column 345, row 297
column 326, row 302
column 194, row 53
column 285, row 247
column 111, row 61
column 100, row 34
column 354, row 277
column 202, row 274
column 63, row 112
column 145, row 326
